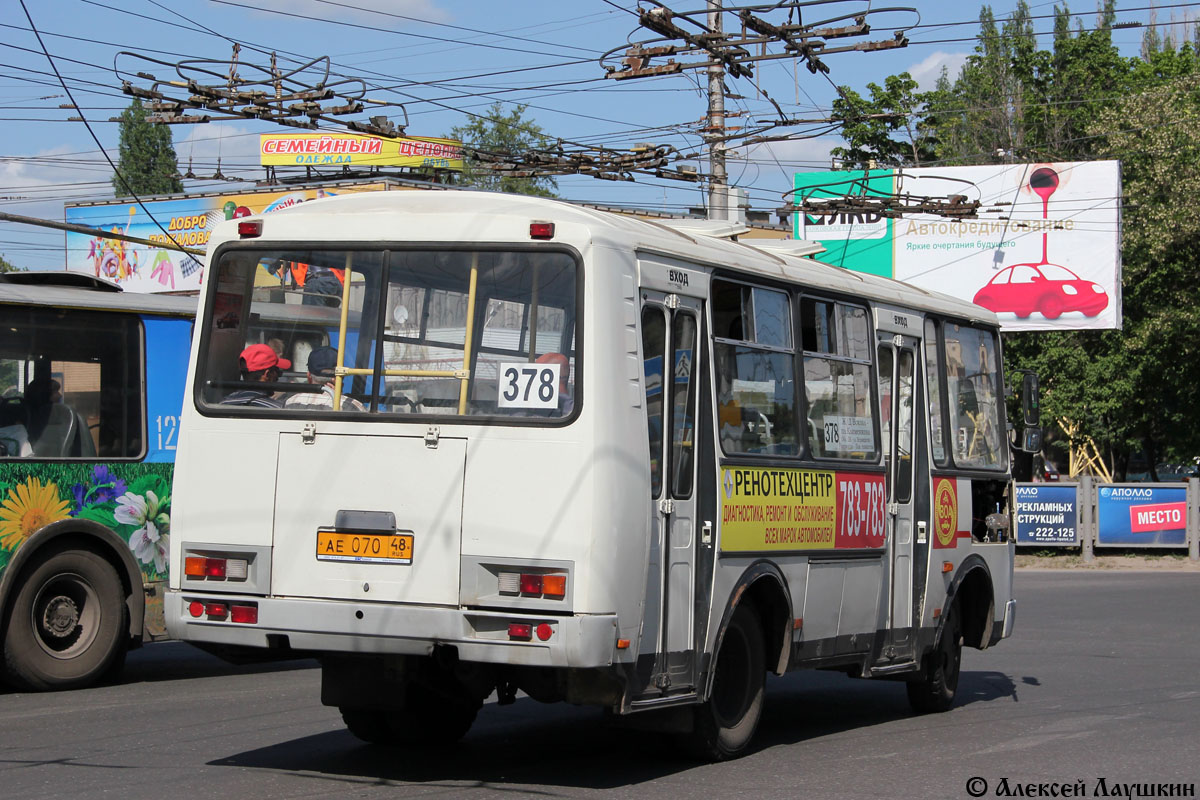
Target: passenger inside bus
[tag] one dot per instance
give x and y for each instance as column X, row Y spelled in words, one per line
column 321, row 364
column 55, row 429
column 14, row 435
column 566, row 398
column 258, row 363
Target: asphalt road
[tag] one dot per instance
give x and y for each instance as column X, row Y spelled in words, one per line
column 1100, row 681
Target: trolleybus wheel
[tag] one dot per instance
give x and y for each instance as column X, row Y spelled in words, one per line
column 938, row 685
column 726, row 722
column 65, row 628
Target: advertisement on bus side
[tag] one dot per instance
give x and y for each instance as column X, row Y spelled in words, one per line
column 800, row 509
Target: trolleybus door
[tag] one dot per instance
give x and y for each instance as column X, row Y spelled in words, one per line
column 670, row 336
column 898, row 396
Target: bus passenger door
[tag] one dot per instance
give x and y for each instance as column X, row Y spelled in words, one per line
column 670, row 332
column 897, row 396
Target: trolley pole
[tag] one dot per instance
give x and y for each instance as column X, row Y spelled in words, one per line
column 718, row 189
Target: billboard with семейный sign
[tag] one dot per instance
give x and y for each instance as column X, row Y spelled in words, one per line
column 356, row 150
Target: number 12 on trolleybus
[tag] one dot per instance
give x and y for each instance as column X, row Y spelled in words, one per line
column 586, row 457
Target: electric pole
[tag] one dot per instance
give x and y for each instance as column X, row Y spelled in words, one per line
column 718, row 189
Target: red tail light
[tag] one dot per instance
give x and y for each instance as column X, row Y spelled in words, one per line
column 520, row 630
column 216, row 610
column 247, row 615
column 531, row 584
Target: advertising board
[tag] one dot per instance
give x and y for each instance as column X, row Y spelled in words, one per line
column 1141, row 515
column 1043, row 252
column 1048, row 514
column 356, row 150
column 187, row 220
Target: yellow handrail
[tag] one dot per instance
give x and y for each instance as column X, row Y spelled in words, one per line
column 463, row 375
column 463, row 382
column 341, row 346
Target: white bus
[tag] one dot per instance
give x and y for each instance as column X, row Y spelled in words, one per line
column 590, row 458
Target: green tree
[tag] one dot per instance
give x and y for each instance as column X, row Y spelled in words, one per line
column 147, row 162
column 8, row 266
column 887, row 128
column 499, row 134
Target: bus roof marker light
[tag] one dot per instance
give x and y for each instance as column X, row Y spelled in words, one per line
column 541, row 230
column 250, row 228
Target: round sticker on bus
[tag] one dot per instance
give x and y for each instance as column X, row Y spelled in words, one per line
column 526, row 385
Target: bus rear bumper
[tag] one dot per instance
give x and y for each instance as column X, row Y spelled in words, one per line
column 1010, row 618
column 348, row 627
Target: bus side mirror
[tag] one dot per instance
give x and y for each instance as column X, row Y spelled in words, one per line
column 1031, row 415
column 1030, row 402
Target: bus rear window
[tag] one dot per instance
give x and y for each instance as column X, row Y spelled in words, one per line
column 452, row 333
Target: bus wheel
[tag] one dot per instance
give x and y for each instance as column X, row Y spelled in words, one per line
column 939, row 682
column 427, row 720
column 725, row 723
column 369, row 724
column 65, row 625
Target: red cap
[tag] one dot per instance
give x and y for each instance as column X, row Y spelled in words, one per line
column 258, row 357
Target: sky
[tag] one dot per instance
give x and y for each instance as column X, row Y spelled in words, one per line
column 435, row 63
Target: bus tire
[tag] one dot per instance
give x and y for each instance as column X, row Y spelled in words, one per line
column 423, row 722
column 936, row 689
column 726, row 721
column 369, row 724
column 66, row 625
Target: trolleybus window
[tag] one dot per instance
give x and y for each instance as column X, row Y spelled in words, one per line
column 755, row 369
column 454, row 333
column 837, row 379
column 971, row 376
column 70, row 382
